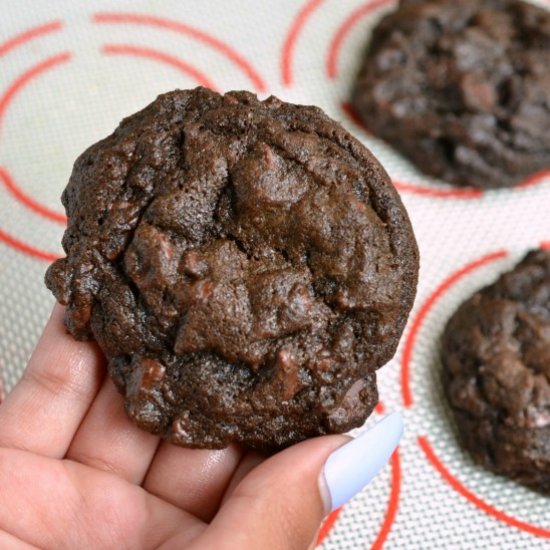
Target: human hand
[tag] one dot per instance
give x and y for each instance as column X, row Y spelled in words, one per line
column 76, row 473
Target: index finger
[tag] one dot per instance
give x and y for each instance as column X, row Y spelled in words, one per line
column 44, row 410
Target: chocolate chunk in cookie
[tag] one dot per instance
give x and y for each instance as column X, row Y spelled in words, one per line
column 461, row 88
column 496, row 358
column 245, row 265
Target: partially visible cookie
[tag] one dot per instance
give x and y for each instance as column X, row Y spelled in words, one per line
column 245, row 265
column 496, row 359
column 461, row 88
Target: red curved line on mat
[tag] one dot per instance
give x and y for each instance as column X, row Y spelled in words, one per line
column 393, row 503
column 545, row 245
column 439, row 193
column 353, row 116
column 182, row 28
column 327, row 525
column 30, row 74
column 342, row 32
column 27, row 200
column 28, row 35
column 27, row 249
column 425, row 309
column 292, row 36
column 467, row 494
column 535, row 179
column 156, row 55
column 466, row 193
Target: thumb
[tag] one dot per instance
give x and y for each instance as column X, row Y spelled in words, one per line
column 282, row 502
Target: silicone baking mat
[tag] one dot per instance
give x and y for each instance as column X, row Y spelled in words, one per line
column 69, row 71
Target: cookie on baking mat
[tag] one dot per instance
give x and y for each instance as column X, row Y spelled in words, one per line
column 461, row 88
column 496, row 358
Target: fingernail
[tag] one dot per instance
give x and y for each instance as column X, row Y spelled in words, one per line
column 352, row 466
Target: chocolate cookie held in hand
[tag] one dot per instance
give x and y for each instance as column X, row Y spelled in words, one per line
column 461, row 88
column 496, row 357
column 245, row 265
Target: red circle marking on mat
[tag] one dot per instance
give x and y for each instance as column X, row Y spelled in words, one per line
column 291, row 38
column 5, row 101
column 327, row 525
column 416, row 323
column 438, row 193
column 27, row 249
column 467, row 494
column 156, row 55
column 28, row 201
column 535, row 179
column 28, row 35
column 393, row 503
column 342, row 32
column 19, row 83
column 353, row 116
column 182, row 28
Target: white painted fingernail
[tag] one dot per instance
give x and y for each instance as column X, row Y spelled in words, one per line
column 353, row 465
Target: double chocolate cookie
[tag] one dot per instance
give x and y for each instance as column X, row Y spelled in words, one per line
column 245, row 265
column 461, row 88
column 496, row 357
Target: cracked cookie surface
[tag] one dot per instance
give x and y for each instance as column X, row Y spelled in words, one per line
column 461, row 88
column 245, row 265
column 496, row 358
